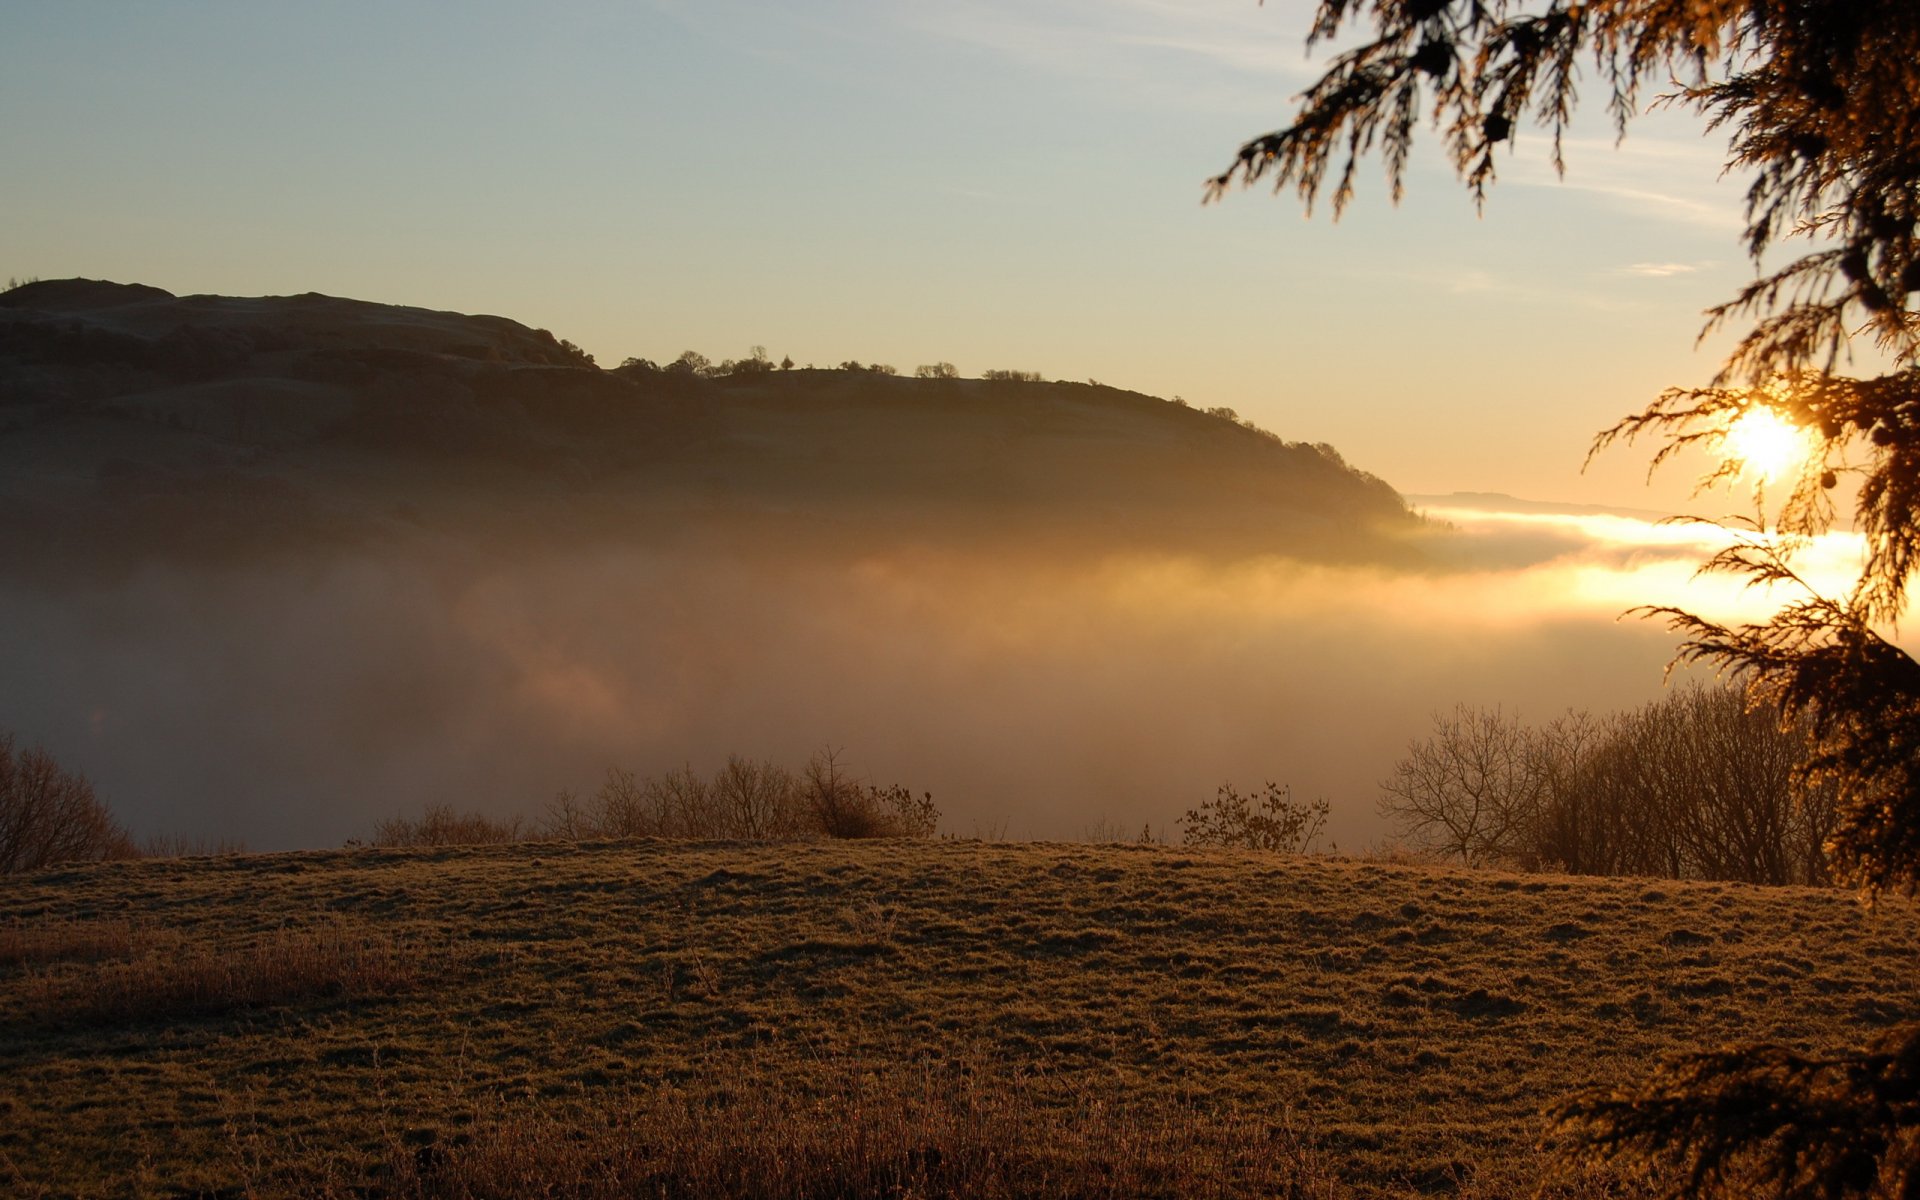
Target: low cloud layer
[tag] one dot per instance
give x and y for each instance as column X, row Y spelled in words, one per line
column 295, row 705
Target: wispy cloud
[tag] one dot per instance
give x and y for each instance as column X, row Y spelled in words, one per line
column 1485, row 284
column 1124, row 39
column 1662, row 270
column 1669, row 178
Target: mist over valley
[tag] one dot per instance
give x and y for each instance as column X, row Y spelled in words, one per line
column 281, row 567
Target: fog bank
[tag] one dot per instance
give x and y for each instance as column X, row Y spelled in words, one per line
column 293, row 705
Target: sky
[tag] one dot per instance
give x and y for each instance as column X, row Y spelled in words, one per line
column 992, row 183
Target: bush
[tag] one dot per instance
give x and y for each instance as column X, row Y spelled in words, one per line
column 745, row 799
column 441, row 826
column 1697, row 785
column 941, row 370
column 1269, row 820
column 842, row 808
column 50, row 815
column 998, row 376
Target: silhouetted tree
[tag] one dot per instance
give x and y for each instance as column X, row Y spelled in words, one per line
column 755, row 363
column 691, row 362
column 50, row 815
column 1696, row 785
column 1822, row 98
column 1472, row 789
column 940, row 370
column 441, row 825
column 845, row 808
column 745, row 798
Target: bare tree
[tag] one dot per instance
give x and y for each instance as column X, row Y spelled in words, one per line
column 50, row 815
column 1700, row 784
column 441, row 825
column 758, row 800
column 1473, row 789
column 837, row 801
column 761, row 801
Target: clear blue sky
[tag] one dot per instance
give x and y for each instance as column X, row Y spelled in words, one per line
column 995, row 183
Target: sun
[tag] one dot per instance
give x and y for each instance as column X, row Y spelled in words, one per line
column 1766, row 443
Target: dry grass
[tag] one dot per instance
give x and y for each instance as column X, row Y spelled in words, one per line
column 1401, row 1027
column 118, row 971
column 24, row 943
column 852, row 1135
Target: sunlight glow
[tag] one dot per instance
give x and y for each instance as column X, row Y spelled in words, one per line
column 1765, row 442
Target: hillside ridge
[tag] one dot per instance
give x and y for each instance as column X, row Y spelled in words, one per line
column 252, row 419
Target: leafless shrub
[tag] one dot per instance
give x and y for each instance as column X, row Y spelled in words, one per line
column 758, row 800
column 749, row 799
column 677, row 804
column 1471, row 790
column 939, row 370
column 50, row 815
column 836, row 801
column 1269, row 820
column 845, row 808
column 442, row 826
column 1697, row 785
column 179, row 846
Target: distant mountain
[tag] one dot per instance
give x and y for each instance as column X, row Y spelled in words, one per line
column 136, row 422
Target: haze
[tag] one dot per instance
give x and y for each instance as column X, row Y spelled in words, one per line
column 1035, row 695
column 973, row 182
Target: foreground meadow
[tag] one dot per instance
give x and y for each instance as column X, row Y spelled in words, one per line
column 665, row 1019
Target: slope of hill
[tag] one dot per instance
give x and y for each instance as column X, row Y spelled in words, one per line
column 201, row 423
column 299, row 1023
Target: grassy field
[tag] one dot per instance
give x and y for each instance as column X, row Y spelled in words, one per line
column 1019, row 1019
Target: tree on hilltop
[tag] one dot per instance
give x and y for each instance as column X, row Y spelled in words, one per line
column 1822, row 99
column 50, row 815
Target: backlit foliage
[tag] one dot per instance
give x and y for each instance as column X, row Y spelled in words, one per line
column 1821, row 99
column 1268, row 820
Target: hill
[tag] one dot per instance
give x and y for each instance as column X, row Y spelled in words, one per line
column 1173, row 1022
column 162, row 425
